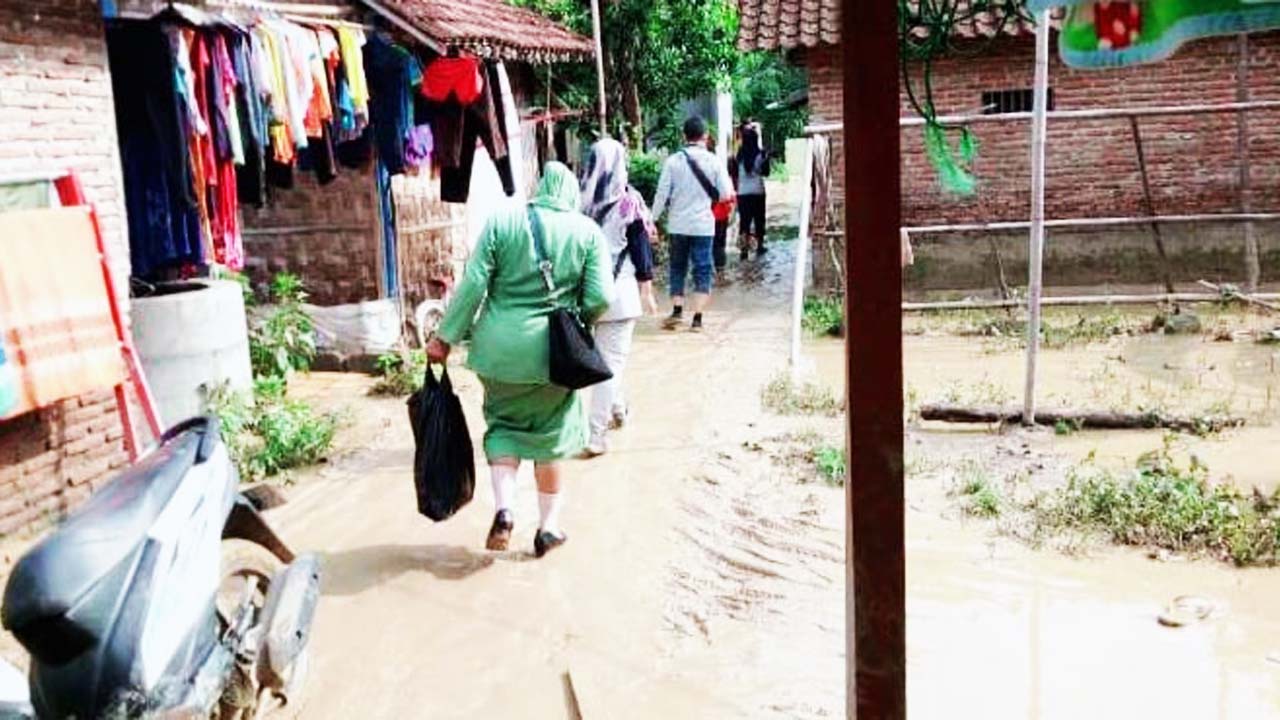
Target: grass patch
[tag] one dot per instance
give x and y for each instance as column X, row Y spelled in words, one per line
column 1164, row 504
column 823, row 316
column 400, row 374
column 981, row 497
column 831, row 464
column 1059, row 329
column 784, row 396
column 268, row 434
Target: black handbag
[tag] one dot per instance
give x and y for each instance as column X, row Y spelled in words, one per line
column 575, row 361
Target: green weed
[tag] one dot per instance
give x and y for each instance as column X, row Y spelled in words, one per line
column 1164, row 504
column 823, row 316
column 400, row 374
column 784, row 396
column 981, row 497
column 284, row 342
column 268, row 433
column 831, row 464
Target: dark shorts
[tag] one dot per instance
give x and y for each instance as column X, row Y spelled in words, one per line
column 695, row 250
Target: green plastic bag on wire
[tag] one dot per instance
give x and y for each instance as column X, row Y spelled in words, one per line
column 8, row 382
column 954, row 165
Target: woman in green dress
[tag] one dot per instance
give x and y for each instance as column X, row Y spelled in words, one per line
column 503, row 303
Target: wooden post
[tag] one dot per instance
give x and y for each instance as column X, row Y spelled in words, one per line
column 603, row 108
column 1039, row 128
column 1252, row 263
column 1156, row 233
column 802, row 262
column 875, row 594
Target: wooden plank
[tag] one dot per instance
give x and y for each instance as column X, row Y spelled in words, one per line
column 876, row 563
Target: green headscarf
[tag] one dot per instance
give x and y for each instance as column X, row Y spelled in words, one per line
column 558, row 189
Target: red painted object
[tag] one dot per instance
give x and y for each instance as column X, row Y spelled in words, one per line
column 71, row 192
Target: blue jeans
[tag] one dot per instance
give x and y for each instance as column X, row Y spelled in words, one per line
column 698, row 249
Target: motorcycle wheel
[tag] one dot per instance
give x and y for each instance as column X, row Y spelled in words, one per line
column 247, row 572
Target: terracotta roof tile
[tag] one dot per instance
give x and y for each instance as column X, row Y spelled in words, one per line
column 492, row 28
column 790, row 24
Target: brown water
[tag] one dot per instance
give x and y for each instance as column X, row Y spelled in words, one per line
column 1182, row 375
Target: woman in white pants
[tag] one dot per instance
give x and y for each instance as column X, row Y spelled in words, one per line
column 621, row 212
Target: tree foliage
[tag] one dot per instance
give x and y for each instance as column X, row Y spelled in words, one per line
column 658, row 54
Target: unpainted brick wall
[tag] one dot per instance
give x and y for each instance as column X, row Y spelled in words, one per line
column 56, row 113
column 328, row 235
column 1092, row 167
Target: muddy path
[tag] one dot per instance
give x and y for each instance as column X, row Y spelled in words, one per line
column 704, row 578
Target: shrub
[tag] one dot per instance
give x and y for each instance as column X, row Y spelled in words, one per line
column 644, row 171
column 823, row 315
column 266, row 432
column 284, row 342
column 400, row 374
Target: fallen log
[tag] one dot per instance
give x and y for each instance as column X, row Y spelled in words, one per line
column 1082, row 420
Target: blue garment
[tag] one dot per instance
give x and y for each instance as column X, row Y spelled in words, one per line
column 695, row 248
column 393, row 74
column 164, row 222
column 390, row 272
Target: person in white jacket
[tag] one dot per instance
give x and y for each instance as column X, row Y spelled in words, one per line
column 609, row 199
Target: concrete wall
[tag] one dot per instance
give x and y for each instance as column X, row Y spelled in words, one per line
column 56, row 113
column 1092, row 166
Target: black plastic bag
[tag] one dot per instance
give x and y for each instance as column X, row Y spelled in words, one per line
column 444, row 465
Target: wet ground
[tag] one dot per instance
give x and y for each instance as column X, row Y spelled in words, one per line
column 704, row 580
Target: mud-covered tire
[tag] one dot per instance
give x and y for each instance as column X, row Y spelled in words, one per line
column 242, row 560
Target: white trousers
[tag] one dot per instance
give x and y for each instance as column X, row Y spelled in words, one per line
column 613, row 340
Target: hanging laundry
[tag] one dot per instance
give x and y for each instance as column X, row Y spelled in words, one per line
column 394, row 74
column 418, row 148
column 352, row 42
column 251, row 175
column 459, row 127
column 456, row 78
column 153, row 127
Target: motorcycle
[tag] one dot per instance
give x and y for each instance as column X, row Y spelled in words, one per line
column 165, row 595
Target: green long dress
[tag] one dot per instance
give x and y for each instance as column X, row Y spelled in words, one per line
column 503, row 303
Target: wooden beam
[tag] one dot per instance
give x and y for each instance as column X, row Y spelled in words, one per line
column 876, row 560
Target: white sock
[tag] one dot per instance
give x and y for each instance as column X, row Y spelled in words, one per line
column 504, row 486
column 549, row 505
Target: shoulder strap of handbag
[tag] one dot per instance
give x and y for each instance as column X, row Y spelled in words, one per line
column 545, row 266
column 540, row 247
column 703, row 180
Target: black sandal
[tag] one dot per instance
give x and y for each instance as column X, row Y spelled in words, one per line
column 500, row 532
column 545, row 542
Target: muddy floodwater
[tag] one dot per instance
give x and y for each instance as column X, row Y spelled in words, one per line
column 704, row 577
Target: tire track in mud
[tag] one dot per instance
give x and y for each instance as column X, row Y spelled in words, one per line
column 762, row 560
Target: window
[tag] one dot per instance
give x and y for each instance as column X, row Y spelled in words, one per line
column 1003, row 102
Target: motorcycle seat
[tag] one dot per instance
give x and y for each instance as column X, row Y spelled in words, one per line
column 50, row 581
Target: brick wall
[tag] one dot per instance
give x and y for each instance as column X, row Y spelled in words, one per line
column 328, row 235
column 56, row 113
column 1092, row 166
